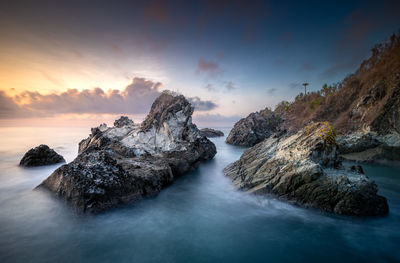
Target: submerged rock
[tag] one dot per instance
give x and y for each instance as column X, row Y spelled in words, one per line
column 41, row 155
column 305, row 169
column 254, row 128
column 129, row 161
column 208, row 132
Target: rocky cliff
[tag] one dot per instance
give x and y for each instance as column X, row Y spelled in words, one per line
column 130, row 161
column 305, row 168
column 366, row 102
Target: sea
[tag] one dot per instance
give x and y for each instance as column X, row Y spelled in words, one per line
column 199, row 218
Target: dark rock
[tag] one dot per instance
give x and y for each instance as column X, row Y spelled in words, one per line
column 356, row 143
column 305, row 169
column 357, row 169
column 123, row 121
column 209, row 133
column 128, row 162
column 254, row 128
column 41, row 155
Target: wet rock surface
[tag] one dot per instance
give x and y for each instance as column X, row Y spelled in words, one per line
column 41, row 155
column 210, row 133
column 130, row 161
column 369, row 146
column 254, row 128
column 305, row 169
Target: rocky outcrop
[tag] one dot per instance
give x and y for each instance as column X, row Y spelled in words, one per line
column 210, row 133
column 366, row 102
column 123, row 121
column 130, row 161
column 369, row 146
column 305, row 168
column 41, row 155
column 254, row 128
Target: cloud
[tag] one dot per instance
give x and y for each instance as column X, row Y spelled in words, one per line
column 210, row 68
column 221, row 55
column 136, row 98
column 7, row 106
column 359, row 26
column 340, row 67
column 271, row 91
column 294, row 85
column 158, row 11
column 210, row 87
column 230, row 86
column 116, row 48
column 53, row 80
column 202, row 105
column 215, row 119
column 307, row 66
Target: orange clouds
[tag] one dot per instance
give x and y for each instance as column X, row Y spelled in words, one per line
column 136, row 98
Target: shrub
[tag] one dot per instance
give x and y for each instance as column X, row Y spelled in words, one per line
column 324, row 130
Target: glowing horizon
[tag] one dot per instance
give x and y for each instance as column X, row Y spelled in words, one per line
column 239, row 57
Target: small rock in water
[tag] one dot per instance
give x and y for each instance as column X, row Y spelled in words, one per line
column 209, row 133
column 41, row 155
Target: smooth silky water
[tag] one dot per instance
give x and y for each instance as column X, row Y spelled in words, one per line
column 200, row 218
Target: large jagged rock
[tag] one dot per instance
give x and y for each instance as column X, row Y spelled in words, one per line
column 254, row 128
column 41, row 155
column 305, row 169
column 210, row 133
column 128, row 161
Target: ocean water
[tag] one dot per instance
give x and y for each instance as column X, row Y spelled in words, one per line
column 200, row 218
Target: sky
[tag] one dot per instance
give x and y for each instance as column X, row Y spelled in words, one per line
column 77, row 61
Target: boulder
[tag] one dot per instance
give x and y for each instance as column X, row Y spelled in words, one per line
column 130, row 161
column 254, row 128
column 305, row 169
column 41, row 155
column 209, row 133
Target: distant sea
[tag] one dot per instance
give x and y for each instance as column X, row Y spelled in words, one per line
column 200, row 218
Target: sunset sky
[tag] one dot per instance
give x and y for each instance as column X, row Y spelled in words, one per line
column 86, row 60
